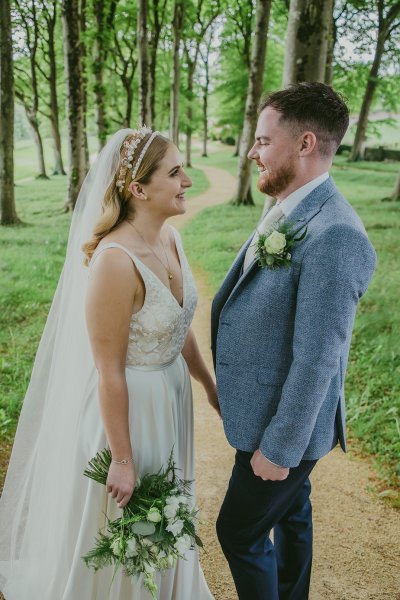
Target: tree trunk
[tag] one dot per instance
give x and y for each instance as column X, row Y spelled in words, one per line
column 158, row 22
column 307, row 41
column 332, row 36
column 396, row 190
column 189, row 112
column 144, row 100
column 7, row 200
column 243, row 193
column 357, row 151
column 37, row 138
column 99, row 56
column 177, row 26
column 205, row 102
column 75, row 99
column 238, row 142
column 54, row 112
column 83, row 53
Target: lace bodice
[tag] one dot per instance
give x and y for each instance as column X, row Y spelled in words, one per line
column 158, row 330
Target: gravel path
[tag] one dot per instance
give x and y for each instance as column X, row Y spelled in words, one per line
column 356, row 548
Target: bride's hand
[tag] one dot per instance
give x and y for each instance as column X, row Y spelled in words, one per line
column 121, row 482
column 212, row 396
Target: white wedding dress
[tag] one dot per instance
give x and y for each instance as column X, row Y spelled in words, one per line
column 160, row 418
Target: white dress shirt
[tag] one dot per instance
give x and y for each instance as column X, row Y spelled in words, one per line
column 289, row 203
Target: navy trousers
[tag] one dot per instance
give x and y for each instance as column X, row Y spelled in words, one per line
column 251, row 508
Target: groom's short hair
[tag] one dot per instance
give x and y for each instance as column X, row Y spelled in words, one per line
column 312, row 106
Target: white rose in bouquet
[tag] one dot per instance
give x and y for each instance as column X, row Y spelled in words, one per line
column 176, row 527
column 182, row 544
column 154, row 515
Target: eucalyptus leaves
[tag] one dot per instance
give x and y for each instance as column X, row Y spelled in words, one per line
column 273, row 248
column 157, row 526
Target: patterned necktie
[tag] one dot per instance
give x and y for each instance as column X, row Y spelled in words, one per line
column 272, row 216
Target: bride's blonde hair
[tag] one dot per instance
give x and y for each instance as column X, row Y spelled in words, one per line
column 116, row 204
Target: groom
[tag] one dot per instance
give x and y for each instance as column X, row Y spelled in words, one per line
column 280, row 341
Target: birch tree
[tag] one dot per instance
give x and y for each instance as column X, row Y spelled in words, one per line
column 307, row 41
column 7, row 200
column 243, row 194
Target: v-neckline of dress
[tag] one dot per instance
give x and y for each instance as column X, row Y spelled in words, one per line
column 168, row 290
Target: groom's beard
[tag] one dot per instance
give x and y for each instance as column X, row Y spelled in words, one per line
column 274, row 184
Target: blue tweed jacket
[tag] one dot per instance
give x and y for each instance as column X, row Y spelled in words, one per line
column 281, row 338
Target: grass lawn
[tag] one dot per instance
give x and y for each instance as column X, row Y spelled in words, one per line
column 373, row 380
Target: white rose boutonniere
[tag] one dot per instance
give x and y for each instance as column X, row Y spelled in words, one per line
column 274, row 247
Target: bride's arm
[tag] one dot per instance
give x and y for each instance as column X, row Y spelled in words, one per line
column 111, row 290
column 198, row 369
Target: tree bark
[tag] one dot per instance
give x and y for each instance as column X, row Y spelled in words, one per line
column 7, row 200
column 104, row 15
column 396, row 189
column 238, row 142
column 307, row 41
column 75, row 99
column 332, row 35
column 84, row 78
column 177, row 27
column 37, row 138
column 143, row 65
column 243, row 194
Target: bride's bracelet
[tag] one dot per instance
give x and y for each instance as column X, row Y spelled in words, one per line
column 124, row 461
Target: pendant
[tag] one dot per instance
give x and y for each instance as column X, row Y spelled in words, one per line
column 170, row 276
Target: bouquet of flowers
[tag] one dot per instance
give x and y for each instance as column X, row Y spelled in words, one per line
column 157, row 526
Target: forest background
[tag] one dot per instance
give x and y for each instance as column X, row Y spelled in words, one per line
column 74, row 71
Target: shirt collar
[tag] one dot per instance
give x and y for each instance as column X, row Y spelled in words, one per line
column 290, row 202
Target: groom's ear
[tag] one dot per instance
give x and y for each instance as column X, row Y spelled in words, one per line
column 308, row 142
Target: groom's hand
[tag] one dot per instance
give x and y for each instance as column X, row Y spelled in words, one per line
column 265, row 469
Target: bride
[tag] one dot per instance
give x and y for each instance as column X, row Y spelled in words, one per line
column 112, row 369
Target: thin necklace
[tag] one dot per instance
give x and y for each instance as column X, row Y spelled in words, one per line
column 170, row 275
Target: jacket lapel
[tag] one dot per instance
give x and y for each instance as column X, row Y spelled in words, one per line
column 300, row 217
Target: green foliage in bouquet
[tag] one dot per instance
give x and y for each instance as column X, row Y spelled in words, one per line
column 157, row 526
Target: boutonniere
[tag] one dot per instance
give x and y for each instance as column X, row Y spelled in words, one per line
column 274, row 247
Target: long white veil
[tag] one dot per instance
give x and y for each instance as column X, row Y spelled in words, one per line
column 44, row 458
